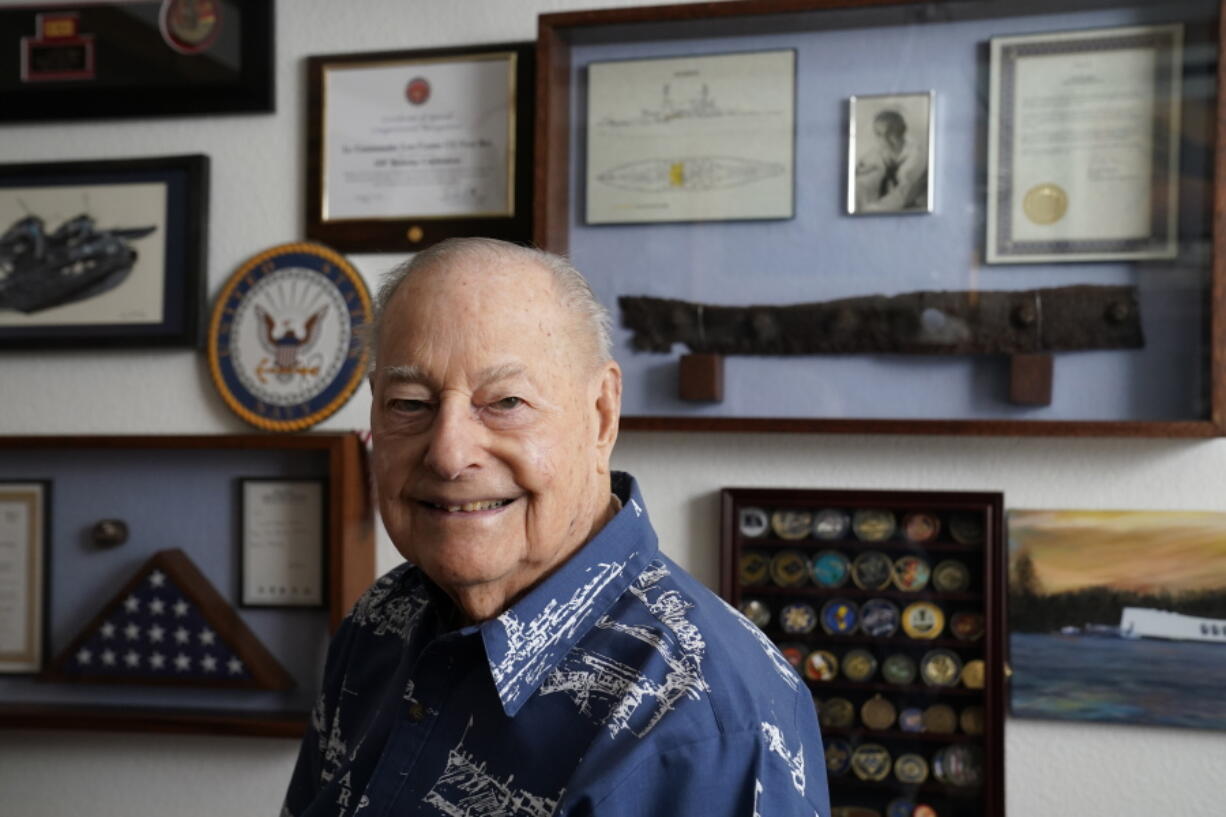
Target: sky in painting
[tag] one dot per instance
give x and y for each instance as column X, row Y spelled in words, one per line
column 1142, row 551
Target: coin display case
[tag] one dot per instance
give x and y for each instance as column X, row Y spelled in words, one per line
column 891, row 606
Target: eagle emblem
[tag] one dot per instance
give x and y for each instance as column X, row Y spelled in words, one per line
column 286, row 339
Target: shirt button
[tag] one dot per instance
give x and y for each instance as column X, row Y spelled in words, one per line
column 417, row 712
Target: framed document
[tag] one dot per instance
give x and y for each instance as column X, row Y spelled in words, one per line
column 408, row 148
column 701, row 138
column 889, row 154
column 103, row 253
column 282, row 539
column 124, row 58
column 1083, row 145
column 23, row 575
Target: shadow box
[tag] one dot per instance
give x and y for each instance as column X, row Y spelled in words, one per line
column 891, row 606
column 190, row 583
column 963, row 217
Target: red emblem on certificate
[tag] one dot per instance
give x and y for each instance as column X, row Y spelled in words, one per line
column 189, row 26
column 417, row 91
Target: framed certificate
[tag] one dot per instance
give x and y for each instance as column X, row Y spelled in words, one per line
column 282, row 539
column 407, row 148
column 1083, row 150
column 23, row 575
column 695, row 138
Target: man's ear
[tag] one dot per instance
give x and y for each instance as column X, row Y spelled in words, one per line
column 608, row 411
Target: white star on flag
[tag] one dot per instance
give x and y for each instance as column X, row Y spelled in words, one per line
column 83, row 656
column 108, row 658
column 108, row 630
column 180, row 608
column 156, row 606
column 207, row 636
column 131, row 604
column 182, row 635
column 131, row 659
column 155, row 633
column 157, row 578
column 235, row 666
column 131, row 632
column 182, row 662
column 209, row 663
column 157, row 660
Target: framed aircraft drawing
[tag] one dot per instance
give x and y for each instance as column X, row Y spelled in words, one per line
column 104, row 253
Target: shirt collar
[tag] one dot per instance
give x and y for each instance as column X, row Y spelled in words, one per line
column 526, row 642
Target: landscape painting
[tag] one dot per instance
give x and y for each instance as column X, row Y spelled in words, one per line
column 1118, row 616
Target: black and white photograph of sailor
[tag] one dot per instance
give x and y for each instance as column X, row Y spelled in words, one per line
column 890, row 154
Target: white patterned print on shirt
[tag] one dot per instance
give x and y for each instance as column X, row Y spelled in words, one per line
column 528, row 645
column 796, row 762
column 467, row 789
column 785, row 670
column 398, row 615
column 616, row 694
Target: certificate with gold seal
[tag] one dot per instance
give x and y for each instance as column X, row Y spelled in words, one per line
column 1083, row 145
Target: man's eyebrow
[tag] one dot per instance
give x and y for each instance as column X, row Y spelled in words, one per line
column 408, row 373
column 405, row 374
column 503, row 371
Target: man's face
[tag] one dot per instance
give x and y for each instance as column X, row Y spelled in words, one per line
column 492, row 427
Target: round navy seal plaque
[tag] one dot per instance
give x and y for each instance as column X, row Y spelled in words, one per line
column 284, row 346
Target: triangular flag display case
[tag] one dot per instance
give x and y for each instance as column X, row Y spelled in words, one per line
column 141, row 609
column 169, row 625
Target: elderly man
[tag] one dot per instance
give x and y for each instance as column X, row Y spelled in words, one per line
column 537, row 655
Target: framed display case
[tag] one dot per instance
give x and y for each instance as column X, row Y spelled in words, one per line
column 1022, row 274
column 145, row 623
column 891, row 604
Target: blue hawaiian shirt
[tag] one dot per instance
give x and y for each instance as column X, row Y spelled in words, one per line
column 619, row 685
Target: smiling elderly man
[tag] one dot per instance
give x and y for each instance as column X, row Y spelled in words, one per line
column 537, row 654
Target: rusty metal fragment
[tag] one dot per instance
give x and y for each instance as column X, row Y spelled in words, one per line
column 1059, row 319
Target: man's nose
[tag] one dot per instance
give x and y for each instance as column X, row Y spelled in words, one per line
column 457, row 437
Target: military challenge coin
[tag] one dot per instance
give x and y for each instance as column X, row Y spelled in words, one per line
column 923, row 620
column 840, row 617
column 873, row 524
column 898, row 668
column 879, row 618
column 966, row 528
column 940, row 668
column 753, row 522
column 911, row 768
column 830, row 569
column 967, row 626
column 830, row 524
column 821, row 665
column 871, row 761
column 911, row 719
column 797, row 619
column 872, row 570
column 756, row 611
column 837, row 713
column 951, row 576
column 859, row 665
column 971, row 720
column 838, row 756
column 878, row 713
column 911, row 574
column 791, row 524
column 789, row 568
column 899, row 807
column 285, row 342
column 754, row 568
column 939, row 719
column 920, row 527
column 973, row 674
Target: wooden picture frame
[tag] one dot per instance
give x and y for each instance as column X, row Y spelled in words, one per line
column 25, row 537
column 830, row 537
column 103, row 253
column 851, row 267
column 142, row 58
column 402, row 151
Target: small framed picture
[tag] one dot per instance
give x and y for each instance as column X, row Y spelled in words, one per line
column 282, row 537
column 24, row 563
column 890, row 154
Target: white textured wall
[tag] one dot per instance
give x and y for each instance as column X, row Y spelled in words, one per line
column 1054, row 769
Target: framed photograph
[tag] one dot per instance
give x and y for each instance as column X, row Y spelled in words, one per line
column 407, row 148
column 1083, row 145
column 890, row 149
column 103, row 253
column 23, row 575
column 695, row 138
column 282, row 535
column 136, row 58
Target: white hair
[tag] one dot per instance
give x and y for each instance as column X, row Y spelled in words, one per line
column 574, row 292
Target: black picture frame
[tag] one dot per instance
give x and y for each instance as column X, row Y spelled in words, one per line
column 406, row 231
column 246, row 601
column 73, row 198
column 105, row 60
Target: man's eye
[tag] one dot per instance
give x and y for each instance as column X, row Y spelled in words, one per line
column 406, row 405
column 507, row 403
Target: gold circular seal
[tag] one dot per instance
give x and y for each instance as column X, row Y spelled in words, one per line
column 973, row 674
column 878, row 713
column 1045, row 203
column 940, row 718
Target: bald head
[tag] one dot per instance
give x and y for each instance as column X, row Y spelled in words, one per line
column 593, row 326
